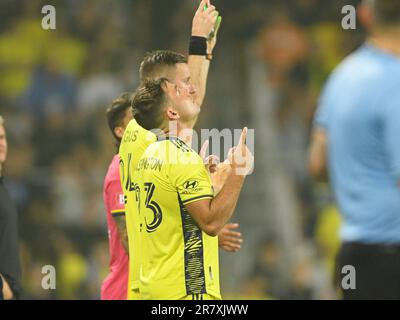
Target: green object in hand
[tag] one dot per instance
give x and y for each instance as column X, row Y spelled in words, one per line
column 216, row 26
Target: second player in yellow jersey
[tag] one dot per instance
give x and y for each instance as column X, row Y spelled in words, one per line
column 134, row 142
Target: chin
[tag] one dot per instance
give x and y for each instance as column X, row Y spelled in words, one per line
column 197, row 111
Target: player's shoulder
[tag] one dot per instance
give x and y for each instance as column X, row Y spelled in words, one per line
column 132, row 124
column 135, row 133
column 112, row 174
column 113, row 168
column 179, row 145
column 172, row 150
column 346, row 69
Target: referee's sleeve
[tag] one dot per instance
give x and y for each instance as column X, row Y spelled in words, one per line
column 322, row 118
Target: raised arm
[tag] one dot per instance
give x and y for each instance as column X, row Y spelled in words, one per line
column 228, row 239
column 202, row 46
column 212, row 214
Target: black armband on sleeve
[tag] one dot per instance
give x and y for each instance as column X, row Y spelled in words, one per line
column 198, row 46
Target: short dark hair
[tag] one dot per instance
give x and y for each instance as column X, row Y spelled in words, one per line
column 386, row 12
column 155, row 62
column 116, row 112
column 148, row 102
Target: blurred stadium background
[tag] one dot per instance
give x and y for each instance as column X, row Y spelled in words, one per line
column 270, row 63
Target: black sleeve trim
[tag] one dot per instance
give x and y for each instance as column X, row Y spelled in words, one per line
column 118, row 213
column 208, row 196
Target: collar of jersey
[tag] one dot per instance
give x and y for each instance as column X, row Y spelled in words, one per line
column 163, row 138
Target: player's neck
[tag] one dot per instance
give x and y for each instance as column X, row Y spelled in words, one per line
column 387, row 40
column 183, row 131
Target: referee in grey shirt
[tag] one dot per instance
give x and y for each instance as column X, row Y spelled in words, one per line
column 357, row 138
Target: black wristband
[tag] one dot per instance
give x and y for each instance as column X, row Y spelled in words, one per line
column 198, row 46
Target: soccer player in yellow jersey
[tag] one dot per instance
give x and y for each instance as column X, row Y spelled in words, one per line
column 134, row 142
column 155, row 65
column 180, row 216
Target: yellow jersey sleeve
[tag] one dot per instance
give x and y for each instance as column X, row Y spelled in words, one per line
column 189, row 176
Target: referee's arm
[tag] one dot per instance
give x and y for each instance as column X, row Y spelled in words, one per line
column 317, row 156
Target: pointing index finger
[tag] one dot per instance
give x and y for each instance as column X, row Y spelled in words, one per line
column 243, row 136
column 203, row 149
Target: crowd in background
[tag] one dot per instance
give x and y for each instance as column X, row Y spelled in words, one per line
column 54, row 89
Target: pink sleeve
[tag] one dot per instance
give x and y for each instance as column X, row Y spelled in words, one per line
column 116, row 197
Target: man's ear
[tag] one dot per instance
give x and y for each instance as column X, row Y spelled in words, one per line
column 119, row 132
column 172, row 114
column 167, row 87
